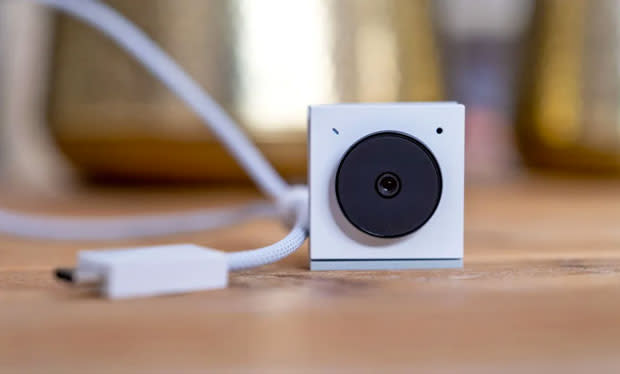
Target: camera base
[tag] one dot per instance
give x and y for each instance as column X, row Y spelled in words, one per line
column 386, row 264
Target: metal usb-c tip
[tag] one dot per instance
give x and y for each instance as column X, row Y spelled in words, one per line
column 65, row 274
column 77, row 276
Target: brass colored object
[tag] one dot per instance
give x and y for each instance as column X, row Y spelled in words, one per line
column 569, row 114
column 264, row 61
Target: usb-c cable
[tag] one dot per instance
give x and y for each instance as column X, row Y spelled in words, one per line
column 290, row 201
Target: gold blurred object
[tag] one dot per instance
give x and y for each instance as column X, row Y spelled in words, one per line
column 569, row 114
column 264, row 61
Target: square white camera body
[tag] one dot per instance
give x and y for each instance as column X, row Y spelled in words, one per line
column 386, row 185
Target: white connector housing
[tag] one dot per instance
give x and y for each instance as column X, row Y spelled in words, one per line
column 151, row 271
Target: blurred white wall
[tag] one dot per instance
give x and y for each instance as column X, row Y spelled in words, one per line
column 27, row 155
column 484, row 19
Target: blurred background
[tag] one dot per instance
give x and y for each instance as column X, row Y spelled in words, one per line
column 540, row 79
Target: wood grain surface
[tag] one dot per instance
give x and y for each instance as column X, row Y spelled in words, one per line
column 540, row 292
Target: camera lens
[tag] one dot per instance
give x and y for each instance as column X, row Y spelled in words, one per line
column 388, row 185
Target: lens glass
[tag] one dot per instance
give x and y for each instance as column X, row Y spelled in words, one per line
column 388, row 185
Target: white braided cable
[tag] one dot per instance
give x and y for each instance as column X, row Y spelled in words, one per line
column 138, row 44
column 275, row 252
column 119, row 228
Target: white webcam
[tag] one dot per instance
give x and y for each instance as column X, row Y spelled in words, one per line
column 386, row 186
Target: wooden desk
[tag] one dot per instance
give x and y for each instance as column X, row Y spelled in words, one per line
column 540, row 292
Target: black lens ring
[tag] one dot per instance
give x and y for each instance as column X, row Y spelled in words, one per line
column 409, row 215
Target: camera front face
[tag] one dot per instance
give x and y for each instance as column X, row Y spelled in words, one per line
column 386, row 185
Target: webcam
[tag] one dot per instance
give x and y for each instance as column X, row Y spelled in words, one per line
column 386, row 186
